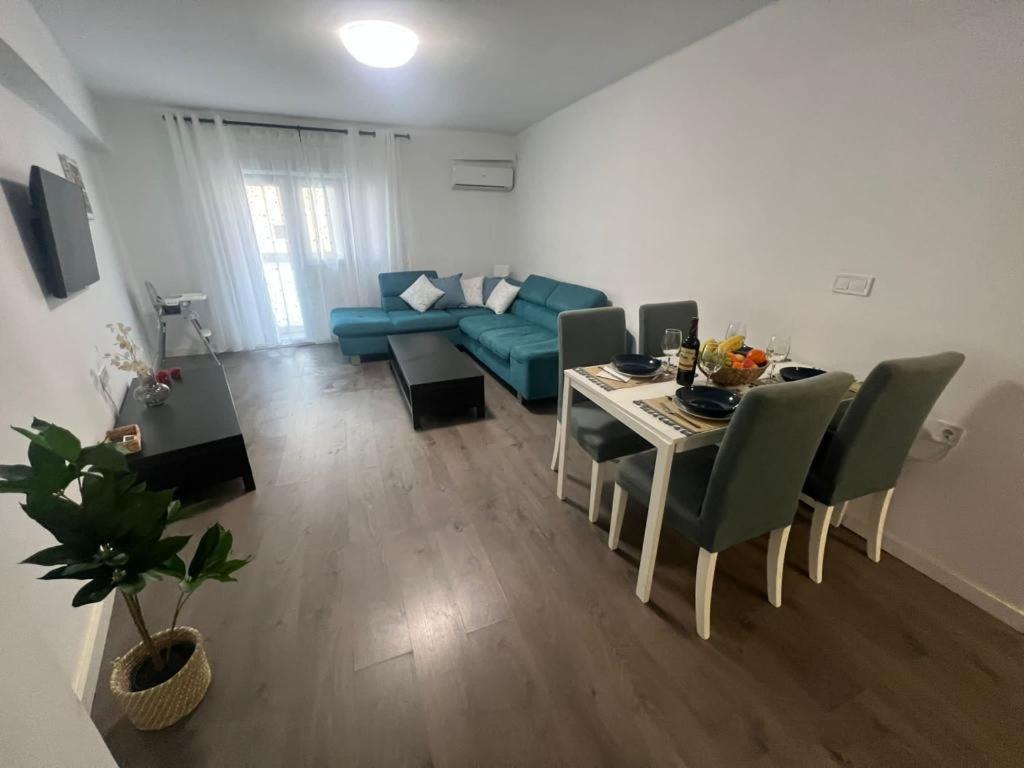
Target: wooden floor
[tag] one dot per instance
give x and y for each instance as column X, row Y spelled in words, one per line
column 423, row 599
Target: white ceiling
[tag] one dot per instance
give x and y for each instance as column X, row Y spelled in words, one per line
column 497, row 65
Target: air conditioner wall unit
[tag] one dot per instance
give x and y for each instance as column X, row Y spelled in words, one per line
column 495, row 178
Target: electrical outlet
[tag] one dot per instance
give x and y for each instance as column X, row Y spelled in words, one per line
column 853, row 285
column 948, row 433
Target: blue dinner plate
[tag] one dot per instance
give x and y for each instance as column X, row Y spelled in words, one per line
column 637, row 365
column 707, row 402
column 799, row 373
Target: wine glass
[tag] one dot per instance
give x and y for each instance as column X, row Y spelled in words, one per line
column 777, row 351
column 671, row 342
column 711, row 361
column 736, row 328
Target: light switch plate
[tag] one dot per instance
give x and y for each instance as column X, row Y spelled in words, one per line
column 853, row 285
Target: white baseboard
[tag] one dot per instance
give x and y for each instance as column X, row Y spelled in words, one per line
column 90, row 662
column 926, row 564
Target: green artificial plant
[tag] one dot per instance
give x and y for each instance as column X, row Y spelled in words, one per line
column 112, row 538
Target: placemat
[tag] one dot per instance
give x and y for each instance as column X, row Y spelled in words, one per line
column 592, row 373
column 667, row 412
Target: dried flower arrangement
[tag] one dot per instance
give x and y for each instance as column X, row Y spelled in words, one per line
column 128, row 356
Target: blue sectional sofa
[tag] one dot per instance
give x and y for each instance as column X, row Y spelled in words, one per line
column 520, row 346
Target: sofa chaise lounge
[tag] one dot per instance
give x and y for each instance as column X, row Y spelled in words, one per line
column 519, row 346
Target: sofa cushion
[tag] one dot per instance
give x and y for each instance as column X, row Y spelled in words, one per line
column 501, row 341
column 569, row 296
column 537, row 315
column 473, row 291
column 409, row 320
column 360, row 321
column 452, row 287
column 479, row 324
column 422, row 294
column 393, row 283
column 536, row 289
column 528, row 351
column 501, row 297
column 460, row 312
column 489, row 284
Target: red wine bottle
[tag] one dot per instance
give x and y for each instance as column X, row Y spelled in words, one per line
column 688, row 357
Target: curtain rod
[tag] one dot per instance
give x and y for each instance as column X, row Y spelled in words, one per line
column 289, row 127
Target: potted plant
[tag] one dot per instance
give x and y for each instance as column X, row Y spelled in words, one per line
column 112, row 538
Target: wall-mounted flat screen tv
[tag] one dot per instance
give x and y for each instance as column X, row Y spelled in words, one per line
column 64, row 233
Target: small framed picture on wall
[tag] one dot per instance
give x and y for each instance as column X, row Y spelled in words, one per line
column 73, row 174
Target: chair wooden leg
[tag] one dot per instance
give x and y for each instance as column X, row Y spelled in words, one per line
column 838, row 519
column 554, row 454
column 876, row 528
column 619, row 499
column 702, row 592
column 597, row 473
column 816, row 543
column 776, row 562
column 565, row 421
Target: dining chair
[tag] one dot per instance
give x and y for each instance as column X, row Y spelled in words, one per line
column 655, row 318
column 720, row 496
column 593, row 337
column 864, row 451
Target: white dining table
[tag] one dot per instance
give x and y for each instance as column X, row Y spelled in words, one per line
column 666, row 439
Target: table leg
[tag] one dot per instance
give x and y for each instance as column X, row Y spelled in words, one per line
column 566, row 411
column 655, row 515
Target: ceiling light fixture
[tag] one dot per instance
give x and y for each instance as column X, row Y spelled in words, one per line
column 379, row 43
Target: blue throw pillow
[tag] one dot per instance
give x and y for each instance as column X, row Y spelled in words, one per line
column 452, row 287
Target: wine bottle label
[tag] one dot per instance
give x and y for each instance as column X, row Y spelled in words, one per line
column 686, row 359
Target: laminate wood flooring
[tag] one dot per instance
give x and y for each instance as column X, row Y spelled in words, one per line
column 423, row 599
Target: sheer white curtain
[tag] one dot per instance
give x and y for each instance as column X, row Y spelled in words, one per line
column 219, row 230
column 320, row 217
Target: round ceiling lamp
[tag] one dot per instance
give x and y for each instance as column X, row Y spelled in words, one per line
column 381, row 44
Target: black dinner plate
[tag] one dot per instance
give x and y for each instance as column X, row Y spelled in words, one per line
column 799, row 373
column 709, row 402
column 637, row 365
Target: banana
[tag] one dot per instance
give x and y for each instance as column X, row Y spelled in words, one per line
column 731, row 344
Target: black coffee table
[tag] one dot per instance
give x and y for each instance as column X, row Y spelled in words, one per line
column 434, row 376
column 193, row 440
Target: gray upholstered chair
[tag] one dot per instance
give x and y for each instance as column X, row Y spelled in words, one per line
column 744, row 488
column 655, row 318
column 593, row 337
column 863, row 451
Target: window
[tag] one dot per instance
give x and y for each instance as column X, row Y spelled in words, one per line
column 318, row 224
column 268, row 221
column 294, row 217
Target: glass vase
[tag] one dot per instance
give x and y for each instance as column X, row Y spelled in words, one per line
column 151, row 392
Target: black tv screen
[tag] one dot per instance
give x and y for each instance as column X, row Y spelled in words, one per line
column 64, row 232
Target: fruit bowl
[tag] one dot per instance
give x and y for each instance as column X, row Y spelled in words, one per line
column 733, row 352
column 735, row 377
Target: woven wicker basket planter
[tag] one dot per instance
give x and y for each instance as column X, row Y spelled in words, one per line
column 167, row 703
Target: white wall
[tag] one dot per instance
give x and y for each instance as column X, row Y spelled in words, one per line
column 445, row 229
column 33, row 66
column 51, row 350
column 811, row 137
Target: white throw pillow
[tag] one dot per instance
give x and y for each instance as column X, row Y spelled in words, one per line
column 473, row 290
column 422, row 294
column 501, row 297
